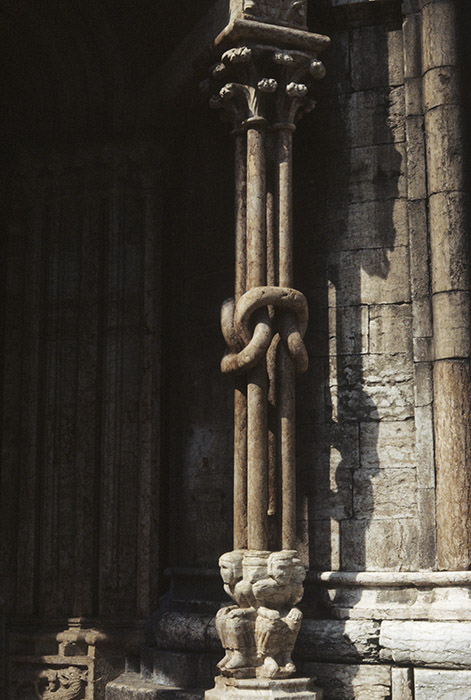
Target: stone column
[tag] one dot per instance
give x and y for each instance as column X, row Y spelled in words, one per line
column 261, row 83
column 449, row 243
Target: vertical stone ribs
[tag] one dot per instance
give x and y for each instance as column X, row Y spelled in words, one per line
column 263, row 91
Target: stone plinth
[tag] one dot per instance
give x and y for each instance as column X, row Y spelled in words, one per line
column 263, row 689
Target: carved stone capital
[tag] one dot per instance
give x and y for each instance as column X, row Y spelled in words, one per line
column 262, row 84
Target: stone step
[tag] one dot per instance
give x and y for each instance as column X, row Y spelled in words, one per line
column 184, row 669
column 131, row 686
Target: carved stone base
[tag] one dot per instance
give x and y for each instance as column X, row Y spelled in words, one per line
column 263, row 689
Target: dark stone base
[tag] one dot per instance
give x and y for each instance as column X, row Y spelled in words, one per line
column 131, row 686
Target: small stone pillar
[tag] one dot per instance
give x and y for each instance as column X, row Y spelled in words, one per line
column 261, row 83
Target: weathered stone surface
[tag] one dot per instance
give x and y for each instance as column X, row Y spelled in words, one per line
column 379, row 544
column 369, row 275
column 179, row 669
column 330, row 640
column 348, row 682
column 367, row 117
column 426, row 505
column 449, row 241
column 442, row 644
column 452, row 327
column 381, row 223
column 263, row 689
column 445, row 156
column 439, row 44
column 390, row 328
column 452, row 419
column 130, row 686
column 377, row 57
column 442, row 685
column 419, row 262
column 415, row 150
column 367, row 173
column 332, row 494
column 389, row 602
column 385, row 493
column 387, row 445
column 332, row 446
column 423, row 390
column 441, row 86
column 378, row 387
column 401, row 684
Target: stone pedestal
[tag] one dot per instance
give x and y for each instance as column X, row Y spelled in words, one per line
column 263, row 689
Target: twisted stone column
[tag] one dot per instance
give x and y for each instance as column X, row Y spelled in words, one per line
column 262, row 86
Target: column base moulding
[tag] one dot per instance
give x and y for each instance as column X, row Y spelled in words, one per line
column 263, row 689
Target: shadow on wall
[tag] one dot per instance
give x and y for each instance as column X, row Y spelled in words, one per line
column 351, row 241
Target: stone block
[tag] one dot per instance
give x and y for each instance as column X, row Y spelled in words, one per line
column 397, row 602
column 367, row 117
column 377, row 57
column 440, row 47
column 442, row 644
column 413, row 97
column 428, row 527
column 390, row 328
column 327, row 447
column 385, row 493
column 449, row 241
column 352, row 682
column 445, row 153
column 422, row 329
column 381, row 223
column 324, row 553
column 367, row 173
column 411, row 40
column 387, row 445
column 370, row 276
column 401, row 684
column 331, row 640
column 441, row 87
column 332, row 494
column 415, row 149
column 379, row 544
column 442, row 685
column 130, row 686
column 451, row 312
column 419, row 253
column 425, row 447
column 376, row 387
column 349, row 331
column 263, row 689
column 179, row 669
column 423, row 389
